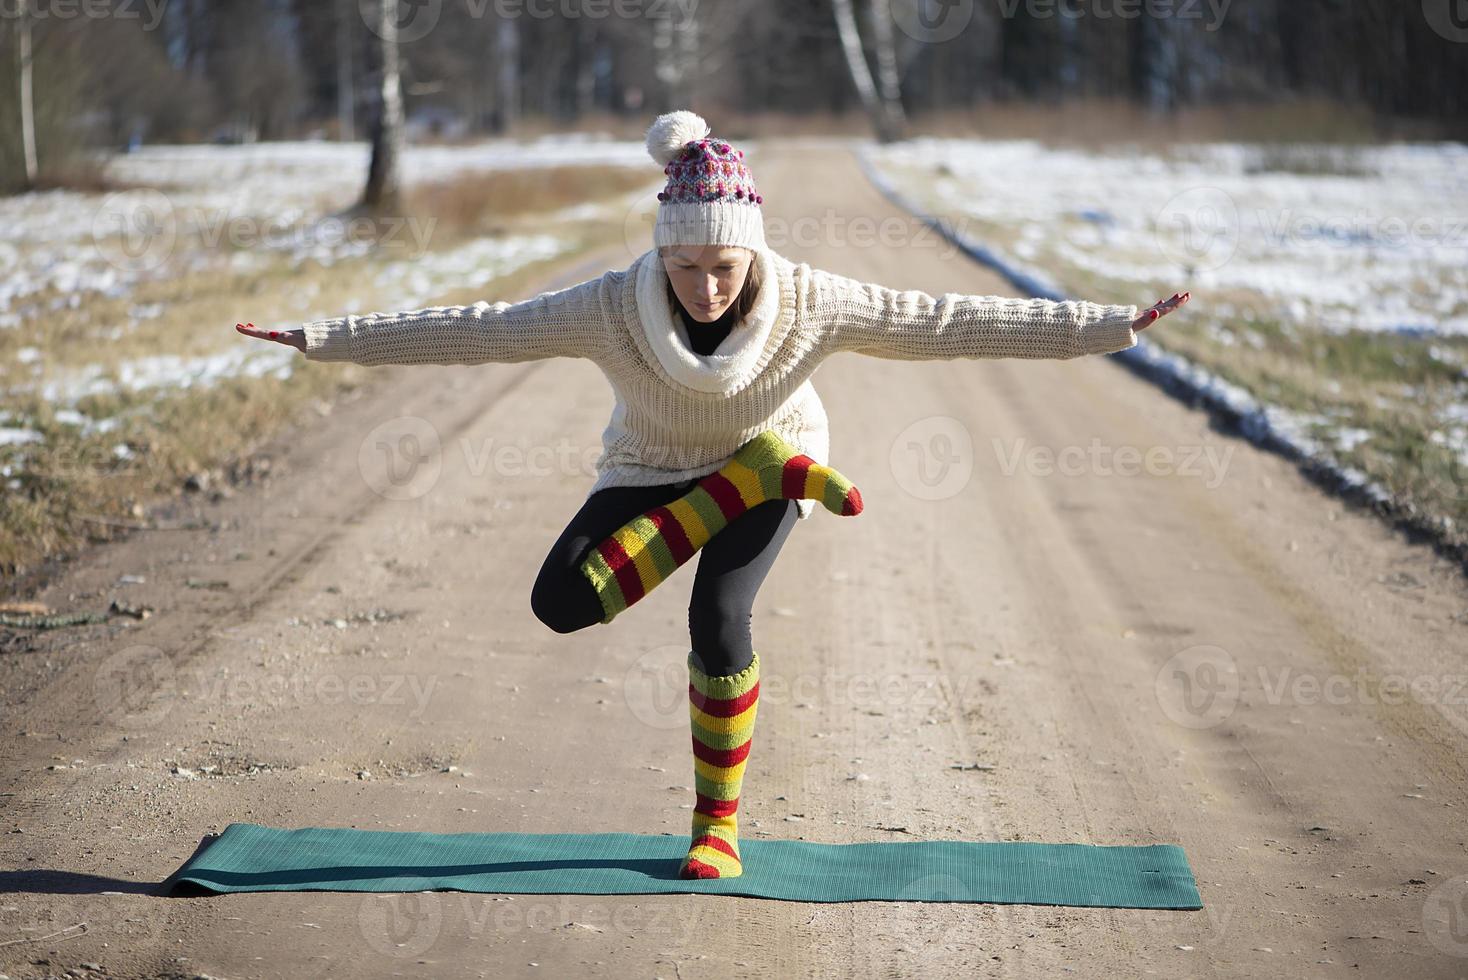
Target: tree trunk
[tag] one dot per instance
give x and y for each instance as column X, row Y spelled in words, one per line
column 507, row 81
column 27, row 95
column 1154, row 61
column 889, row 79
column 346, row 96
column 587, row 41
column 861, row 75
column 384, row 182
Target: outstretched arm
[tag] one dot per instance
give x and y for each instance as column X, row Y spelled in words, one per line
column 561, row 323
column 912, row 325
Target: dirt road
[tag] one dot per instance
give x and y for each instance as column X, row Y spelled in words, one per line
column 1192, row 654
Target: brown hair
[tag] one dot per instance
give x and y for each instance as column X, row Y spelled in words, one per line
column 748, row 294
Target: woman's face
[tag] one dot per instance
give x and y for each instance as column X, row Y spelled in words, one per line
column 707, row 278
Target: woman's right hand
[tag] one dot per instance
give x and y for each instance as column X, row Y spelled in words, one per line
column 292, row 338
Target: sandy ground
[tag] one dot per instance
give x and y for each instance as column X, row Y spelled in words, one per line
column 1200, row 653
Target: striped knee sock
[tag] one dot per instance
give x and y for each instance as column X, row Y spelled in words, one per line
column 641, row 554
column 721, row 711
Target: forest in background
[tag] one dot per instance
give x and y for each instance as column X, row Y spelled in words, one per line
column 120, row 73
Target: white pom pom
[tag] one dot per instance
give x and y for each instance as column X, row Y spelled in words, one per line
column 670, row 131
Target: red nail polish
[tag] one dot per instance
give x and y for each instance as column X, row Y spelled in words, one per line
column 272, row 333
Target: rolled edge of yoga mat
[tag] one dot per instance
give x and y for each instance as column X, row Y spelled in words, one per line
column 251, row 857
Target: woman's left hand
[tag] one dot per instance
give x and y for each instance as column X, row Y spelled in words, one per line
column 1161, row 308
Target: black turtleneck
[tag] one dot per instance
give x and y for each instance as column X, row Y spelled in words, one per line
column 704, row 338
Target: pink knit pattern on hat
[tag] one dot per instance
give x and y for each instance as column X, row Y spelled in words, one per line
column 709, row 169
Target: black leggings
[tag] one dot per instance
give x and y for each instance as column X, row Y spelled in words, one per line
column 731, row 567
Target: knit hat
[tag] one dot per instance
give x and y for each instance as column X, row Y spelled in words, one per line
column 710, row 197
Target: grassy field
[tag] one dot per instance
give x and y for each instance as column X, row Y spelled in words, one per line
column 138, row 444
column 1392, row 403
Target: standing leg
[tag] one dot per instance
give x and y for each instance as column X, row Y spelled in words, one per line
column 723, row 673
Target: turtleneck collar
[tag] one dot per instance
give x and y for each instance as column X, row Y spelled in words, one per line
column 739, row 358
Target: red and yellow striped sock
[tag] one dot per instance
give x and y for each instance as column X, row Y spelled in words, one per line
column 721, row 711
column 641, row 554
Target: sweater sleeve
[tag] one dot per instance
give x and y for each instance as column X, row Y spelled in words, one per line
column 910, row 325
column 568, row 322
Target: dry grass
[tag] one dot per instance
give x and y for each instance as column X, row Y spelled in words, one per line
column 73, row 489
column 1394, row 386
column 1089, row 122
column 482, row 204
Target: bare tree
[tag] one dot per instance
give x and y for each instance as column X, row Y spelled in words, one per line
column 346, row 96
column 384, row 180
column 889, row 85
column 27, row 94
column 675, row 53
column 879, row 104
column 507, row 82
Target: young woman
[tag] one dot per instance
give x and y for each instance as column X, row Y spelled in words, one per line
column 709, row 341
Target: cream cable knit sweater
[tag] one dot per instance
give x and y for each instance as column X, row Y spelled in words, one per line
column 679, row 415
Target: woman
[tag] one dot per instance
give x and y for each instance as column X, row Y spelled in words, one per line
column 709, row 341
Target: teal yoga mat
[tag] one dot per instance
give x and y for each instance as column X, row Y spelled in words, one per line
column 251, row 858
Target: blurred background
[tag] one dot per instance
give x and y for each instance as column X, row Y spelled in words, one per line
column 171, row 167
